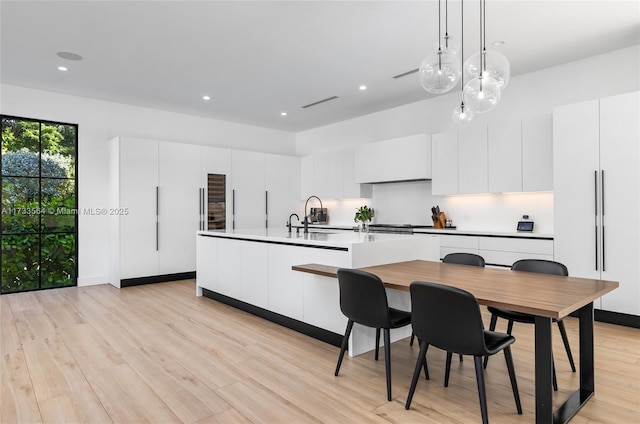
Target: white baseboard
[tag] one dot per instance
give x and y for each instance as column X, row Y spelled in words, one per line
column 92, row 281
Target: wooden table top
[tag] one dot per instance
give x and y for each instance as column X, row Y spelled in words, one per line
column 551, row 296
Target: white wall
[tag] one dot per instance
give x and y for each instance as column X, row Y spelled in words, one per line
column 100, row 121
column 527, row 95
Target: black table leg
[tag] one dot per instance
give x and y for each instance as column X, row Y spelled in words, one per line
column 543, row 371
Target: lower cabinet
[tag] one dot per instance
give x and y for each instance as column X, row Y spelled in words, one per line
column 496, row 250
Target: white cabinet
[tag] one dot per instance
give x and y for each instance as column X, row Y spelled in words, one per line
column 399, row 159
column 156, row 186
column 504, row 251
column 331, row 175
column 178, row 206
column 282, row 185
column 537, row 153
column 597, row 194
column 473, row 176
column 133, row 185
column 505, row 156
column 445, row 163
column 350, row 188
column 248, row 197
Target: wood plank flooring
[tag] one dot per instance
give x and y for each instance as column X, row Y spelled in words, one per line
column 159, row 354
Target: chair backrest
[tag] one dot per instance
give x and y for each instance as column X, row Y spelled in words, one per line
column 363, row 298
column 464, row 259
column 540, row 266
column 447, row 317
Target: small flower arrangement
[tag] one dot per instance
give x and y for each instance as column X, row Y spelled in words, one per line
column 363, row 214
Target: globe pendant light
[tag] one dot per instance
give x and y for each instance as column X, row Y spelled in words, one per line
column 440, row 72
column 462, row 115
column 495, row 65
column 482, row 93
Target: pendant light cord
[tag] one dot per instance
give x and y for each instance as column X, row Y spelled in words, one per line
column 446, row 24
column 462, row 50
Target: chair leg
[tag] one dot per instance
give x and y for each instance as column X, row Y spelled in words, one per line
column 509, row 327
column 565, row 340
column 555, row 379
column 377, row 342
column 481, row 390
column 461, row 357
column 413, row 336
column 387, row 360
column 512, row 377
column 420, row 362
column 345, row 342
column 492, row 327
column 447, row 369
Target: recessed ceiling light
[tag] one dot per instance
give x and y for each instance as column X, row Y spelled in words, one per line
column 69, row 56
column 283, row 113
column 498, row 43
column 62, row 68
column 206, row 98
column 363, row 87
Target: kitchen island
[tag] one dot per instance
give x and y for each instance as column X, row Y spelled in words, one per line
column 251, row 270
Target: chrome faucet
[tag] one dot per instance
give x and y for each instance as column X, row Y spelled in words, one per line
column 306, row 217
column 289, row 223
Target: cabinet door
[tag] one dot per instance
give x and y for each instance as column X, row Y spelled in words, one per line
column 537, row 153
column 620, row 180
column 351, row 189
column 473, row 175
column 282, row 183
column 445, row 163
column 321, row 176
column 138, row 183
column 505, row 156
column 335, row 176
column 179, row 206
column 217, row 161
column 249, row 193
column 306, row 177
column 575, row 166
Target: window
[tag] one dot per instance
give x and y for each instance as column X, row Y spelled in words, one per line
column 39, row 204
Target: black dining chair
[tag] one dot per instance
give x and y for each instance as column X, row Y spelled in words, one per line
column 450, row 319
column 460, row 259
column 363, row 299
column 543, row 267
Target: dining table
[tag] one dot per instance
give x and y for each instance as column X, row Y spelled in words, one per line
column 547, row 297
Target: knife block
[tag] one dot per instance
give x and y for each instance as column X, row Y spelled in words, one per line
column 440, row 220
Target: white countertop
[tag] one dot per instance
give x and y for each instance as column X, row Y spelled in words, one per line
column 316, row 237
column 459, row 232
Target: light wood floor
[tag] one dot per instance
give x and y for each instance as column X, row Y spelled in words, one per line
column 159, row 354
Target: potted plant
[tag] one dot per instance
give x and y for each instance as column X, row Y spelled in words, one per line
column 363, row 217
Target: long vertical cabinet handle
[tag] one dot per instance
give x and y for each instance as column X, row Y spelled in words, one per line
column 233, row 209
column 266, row 209
column 204, row 209
column 603, row 219
column 200, row 209
column 595, row 198
column 157, row 218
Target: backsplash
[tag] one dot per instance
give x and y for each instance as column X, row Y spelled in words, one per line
column 411, row 202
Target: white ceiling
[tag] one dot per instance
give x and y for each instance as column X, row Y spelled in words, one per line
column 257, row 59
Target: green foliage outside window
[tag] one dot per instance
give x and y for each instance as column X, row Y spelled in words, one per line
column 38, row 185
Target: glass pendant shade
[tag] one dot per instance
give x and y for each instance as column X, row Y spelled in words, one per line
column 481, row 94
column 440, row 72
column 452, row 45
column 495, row 65
column 462, row 115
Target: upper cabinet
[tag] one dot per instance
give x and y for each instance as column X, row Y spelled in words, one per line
column 399, row 159
column 537, row 153
column 472, row 160
column 510, row 156
column 330, row 175
column 445, row 163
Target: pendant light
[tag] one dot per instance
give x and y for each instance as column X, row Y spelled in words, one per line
column 462, row 115
column 482, row 93
column 494, row 63
column 440, row 71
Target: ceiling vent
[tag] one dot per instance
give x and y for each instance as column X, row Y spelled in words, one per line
column 413, row 71
column 320, row 101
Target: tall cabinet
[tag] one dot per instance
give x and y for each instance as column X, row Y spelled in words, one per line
column 596, row 149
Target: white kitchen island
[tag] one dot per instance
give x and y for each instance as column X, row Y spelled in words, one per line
column 251, row 270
